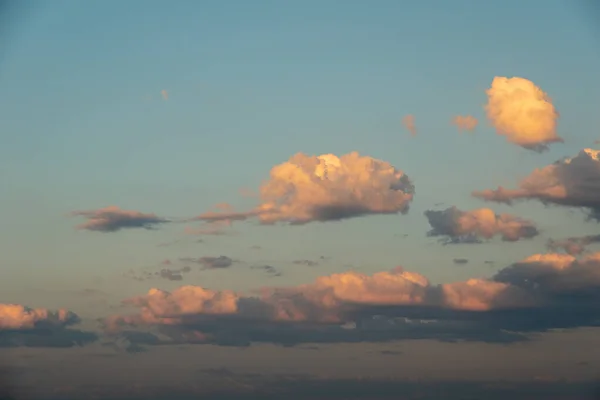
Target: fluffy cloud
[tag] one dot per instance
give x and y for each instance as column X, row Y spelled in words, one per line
column 16, row 316
column 573, row 182
column 112, row 219
column 325, row 188
column 469, row 226
column 409, row 123
column 573, row 245
column 522, row 112
column 465, row 123
column 39, row 327
column 561, row 291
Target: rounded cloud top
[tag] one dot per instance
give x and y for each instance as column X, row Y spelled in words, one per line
column 327, row 188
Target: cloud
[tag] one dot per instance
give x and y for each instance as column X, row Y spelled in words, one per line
column 572, row 182
column 308, row 263
column 164, row 94
column 16, row 316
column 173, row 274
column 458, row 226
column 211, row 262
column 268, row 269
column 409, row 123
column 573, row 245
column 541, row 292
column 39, row 327
column 465, row 123
column 326, row 188
column 460, row 261
column 112, row 219
column 522, row 112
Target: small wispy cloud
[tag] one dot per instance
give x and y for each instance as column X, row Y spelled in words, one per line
column 112, row 219
column 409, row 123
column 164, row 94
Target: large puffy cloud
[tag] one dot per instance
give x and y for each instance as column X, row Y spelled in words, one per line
column 458, row 226
column 112, row 219
column 465, row 122
column 522, row 112
column 573, row 182
column 541, row 292
column 39, row 327
column 325, row 188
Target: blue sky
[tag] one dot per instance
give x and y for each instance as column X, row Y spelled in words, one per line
column 83, row 126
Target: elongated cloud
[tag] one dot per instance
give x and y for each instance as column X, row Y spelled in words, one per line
column 112, row 219
column 465, row 123
column 573, row 182
column 16, row 316
column 573, row 245
column 522, row 112
column 458, row 226
column 326, row 188
column 164, row 94
column 541, row 292
column 409, row 123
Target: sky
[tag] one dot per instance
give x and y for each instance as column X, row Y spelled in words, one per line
column 319, row 193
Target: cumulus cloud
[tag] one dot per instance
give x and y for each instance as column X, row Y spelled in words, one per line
column 112, row 219
column 458, row 226
column 541, row 292
column 326, row 188
column 16, row 316
column 573, row 245
column 573, row 182
column 39, row 327
column 465, row 122
column 211, row 262
column 522, row 112
column 409, row 123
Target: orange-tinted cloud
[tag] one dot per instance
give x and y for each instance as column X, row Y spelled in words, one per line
column 112, row 219
column 538, row 293
column 573, row 245
column 522, row 112
column 409, row 123
column 469, row 226
column 16, row 316
column 465, row 123
column 164, row 94
column 573, row 182
column 325, row 188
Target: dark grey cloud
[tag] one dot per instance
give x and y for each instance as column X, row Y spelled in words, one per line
column 309, row 263
column 112, row 219
column 211, row 262
column 46, row 337
column 268, row 269
column 173, row 274
column 456, row 226
column 460, row 261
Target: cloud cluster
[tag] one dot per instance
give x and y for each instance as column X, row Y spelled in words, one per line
column 39, row 327
column 409, row 123
column 458, row 226
column 465, row 122
column 112, row 219
column 573, row 182
column 560, row 290
column 326, row 188
column 573, row 245
column 16, row 316
column 522, row 112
